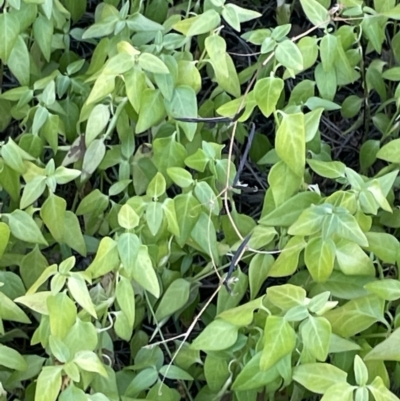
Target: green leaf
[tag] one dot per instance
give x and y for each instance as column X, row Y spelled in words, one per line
column 243, row 14
column 289, row 55
column 23, row 227
column 390, row 152
column 227, row 300
column 174, row 373
column 152, row 63
column 386, row 350
column 135, row 84
column 259, row 268
column 170, row 215
column 319, row 256
column 154, row 216
column 243, row 315
column 9, row 30
column 231, row 17
column 126, row 299
column 33, row 190
column 216, row 372
column 77, row 9
column 82, row 336
column 43, row 33
column 218, row 335
column 62, row 314
column 288, row 259
column 52, row 213
column 100, row 29
column 349, row 229
column 360, row 371
column 143, row 272
column 184, row 104
column 342, row 391
column 187, row 211
column 11, row 359
column 267, row 92
column 175, row 297
column 98, row 119
column 327, row 169
column 64, row 175
column 127, row 217
column 10, row 311
column 286, row 296
column 152, row 110
column 92, row 158
column 4, row 237
column 290, row 142
column 168, row 153
column 106, row 258
column 315, row 12
column 156, row 187
column 37, row 302
column 180, row 176
column 12, row 157
column 142, row 381
column 59, row 349
column 48, row 383
column 283, row 182
column 251, row 377
column 197, row 161
column 279, row 340
column 229, row 83
column 377, row 387
column 387, row 289
column 95, row 202
column 198, row 25
column 216, row 48
column 73, row 236
column 312, row 121
column 128, row 249
column 353, row 260
column 288, row 212
column 327, row 49
column 318, row 377
column 139, row 23
column 80, row 292
column 89, row 361
column 19, row 61
column 356, row 315
column 103, row 86
column 316, row 336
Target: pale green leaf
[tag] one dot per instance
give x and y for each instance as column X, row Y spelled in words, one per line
column 218, row 335
column 318, row 377
column 279, row 341
column 290, row 142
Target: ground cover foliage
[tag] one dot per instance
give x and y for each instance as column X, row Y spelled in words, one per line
column 122, row 211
